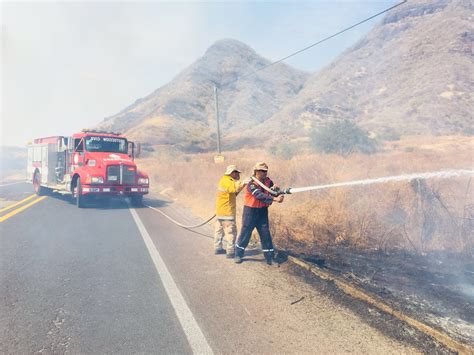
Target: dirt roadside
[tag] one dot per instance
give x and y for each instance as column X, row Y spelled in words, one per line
column 279, row 308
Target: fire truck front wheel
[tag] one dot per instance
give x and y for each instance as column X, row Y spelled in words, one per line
column 39, row 190
column 80, row 198
column 137, row 200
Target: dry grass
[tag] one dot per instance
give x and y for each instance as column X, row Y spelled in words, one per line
column 14, row 176
column 420, row 215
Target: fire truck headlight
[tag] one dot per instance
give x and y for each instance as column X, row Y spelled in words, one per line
column 97, row 180
column 91, row 162
column 143, row 181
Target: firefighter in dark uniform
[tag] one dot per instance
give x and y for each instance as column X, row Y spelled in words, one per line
column 255, row 214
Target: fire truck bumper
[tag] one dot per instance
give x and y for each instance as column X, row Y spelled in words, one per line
column 114, row 190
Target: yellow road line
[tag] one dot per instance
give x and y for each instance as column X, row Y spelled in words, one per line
column 17, row 203
column 18, row 210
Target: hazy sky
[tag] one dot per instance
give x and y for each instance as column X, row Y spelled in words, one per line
column 67, row 65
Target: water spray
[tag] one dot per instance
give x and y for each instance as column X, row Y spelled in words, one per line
column 444, row 174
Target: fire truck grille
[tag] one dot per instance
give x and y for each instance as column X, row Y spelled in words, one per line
column 128, row 175
column 116, row 174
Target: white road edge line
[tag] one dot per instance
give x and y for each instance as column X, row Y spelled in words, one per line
column 196, row 338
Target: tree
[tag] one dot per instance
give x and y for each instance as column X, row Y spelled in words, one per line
column 342, row 137
column 283, row 151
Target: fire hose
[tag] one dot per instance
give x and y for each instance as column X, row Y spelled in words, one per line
column 179, row 224
column 275, row 191
column 291, row 190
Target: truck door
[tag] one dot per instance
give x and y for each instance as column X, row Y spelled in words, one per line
column 78, row 153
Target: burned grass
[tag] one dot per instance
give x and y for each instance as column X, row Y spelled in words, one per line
column 435, row 288
column 385, row 323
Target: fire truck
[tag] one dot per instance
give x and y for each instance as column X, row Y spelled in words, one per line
column 86, row 165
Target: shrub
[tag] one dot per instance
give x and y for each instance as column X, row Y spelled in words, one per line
column 468, row 131
column 342, row 137
column 283, row 151
column 390, row 135
column 147, row 147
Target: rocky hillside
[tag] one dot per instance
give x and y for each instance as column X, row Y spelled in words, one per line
column 412, row 74
column 181, row 113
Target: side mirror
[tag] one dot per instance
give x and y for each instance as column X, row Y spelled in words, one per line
column 131, row 150
column 139, row 150
column 134, row 150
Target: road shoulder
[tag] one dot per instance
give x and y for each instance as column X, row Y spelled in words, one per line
column 256, row 308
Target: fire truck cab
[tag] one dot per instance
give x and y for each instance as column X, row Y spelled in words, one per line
column 86, row 164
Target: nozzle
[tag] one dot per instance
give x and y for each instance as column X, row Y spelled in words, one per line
column 281, row 192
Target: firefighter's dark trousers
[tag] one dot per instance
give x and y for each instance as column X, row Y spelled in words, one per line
column 255, row 218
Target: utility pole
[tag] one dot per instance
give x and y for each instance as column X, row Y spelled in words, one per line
column 219, row 158
column 216, row 105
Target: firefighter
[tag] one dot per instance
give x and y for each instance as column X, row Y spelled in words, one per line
column 255, row 214
column 225, row 227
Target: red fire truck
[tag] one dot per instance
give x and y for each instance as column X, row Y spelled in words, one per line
column 87, row 164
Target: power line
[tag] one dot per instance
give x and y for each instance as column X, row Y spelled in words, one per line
column 314, row 44
column 216, row 86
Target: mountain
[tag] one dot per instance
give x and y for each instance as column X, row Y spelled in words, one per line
column 412, row 74
column 182, row 114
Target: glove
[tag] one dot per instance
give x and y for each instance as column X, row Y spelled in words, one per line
column 279, row 199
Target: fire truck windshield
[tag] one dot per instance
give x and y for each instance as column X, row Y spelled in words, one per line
column 106, row 144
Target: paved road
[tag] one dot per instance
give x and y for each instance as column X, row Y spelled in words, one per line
column 81, row 280
column 110, row 279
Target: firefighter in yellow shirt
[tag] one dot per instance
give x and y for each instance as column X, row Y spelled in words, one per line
column 225, row 227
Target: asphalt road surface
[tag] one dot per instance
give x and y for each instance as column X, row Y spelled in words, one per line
column 113, row 279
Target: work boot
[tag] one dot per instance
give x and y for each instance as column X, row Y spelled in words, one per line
column 268, row 257
column 239, row 254
column 219, row 251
